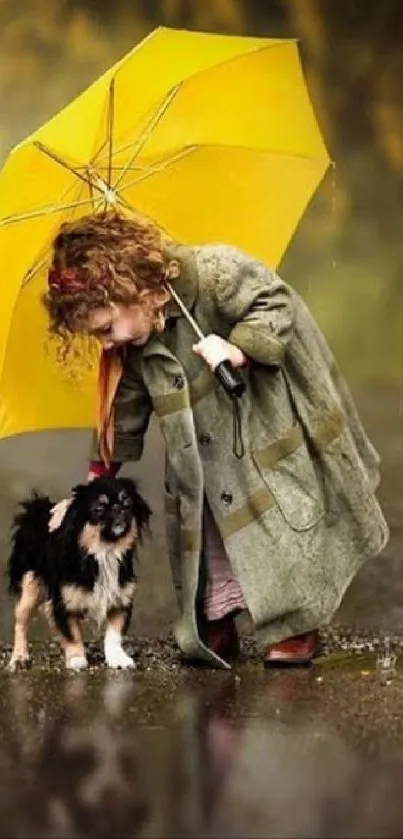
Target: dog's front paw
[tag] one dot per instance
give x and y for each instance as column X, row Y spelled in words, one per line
column 18, row 662
column 76, row 663
column 117, row 658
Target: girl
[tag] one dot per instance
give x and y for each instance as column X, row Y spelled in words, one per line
column 270, row 499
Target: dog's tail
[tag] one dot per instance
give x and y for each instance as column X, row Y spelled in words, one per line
column 29, row 532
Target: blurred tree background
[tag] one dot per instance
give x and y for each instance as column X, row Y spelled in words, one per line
column 346, row 256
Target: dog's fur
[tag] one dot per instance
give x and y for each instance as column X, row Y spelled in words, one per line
column 84, row 568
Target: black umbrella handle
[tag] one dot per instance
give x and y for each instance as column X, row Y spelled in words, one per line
column 230, row 379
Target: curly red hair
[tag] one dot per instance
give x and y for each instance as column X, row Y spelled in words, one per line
column 99, row 259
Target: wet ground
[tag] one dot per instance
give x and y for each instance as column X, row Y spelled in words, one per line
column 174, row 751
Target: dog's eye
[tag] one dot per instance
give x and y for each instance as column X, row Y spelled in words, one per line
column 98, row 508
column 125, row 500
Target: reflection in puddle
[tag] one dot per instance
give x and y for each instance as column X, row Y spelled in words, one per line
column 96, row 759
column 78, row 775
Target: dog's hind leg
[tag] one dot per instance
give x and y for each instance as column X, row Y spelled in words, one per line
column 28, row 599
column 115, row 655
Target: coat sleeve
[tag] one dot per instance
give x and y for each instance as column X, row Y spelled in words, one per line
column 132, row 412
column 257, row 303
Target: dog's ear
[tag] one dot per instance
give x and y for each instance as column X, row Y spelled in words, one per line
column 142, row 511
column 76, row 513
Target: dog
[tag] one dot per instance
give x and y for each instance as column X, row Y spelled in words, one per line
column 85, row 568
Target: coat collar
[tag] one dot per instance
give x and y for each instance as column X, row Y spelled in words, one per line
column 186, row 282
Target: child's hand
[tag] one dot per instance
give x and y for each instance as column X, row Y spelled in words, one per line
column 58, row 513
column 59, row 510
column 214, row 349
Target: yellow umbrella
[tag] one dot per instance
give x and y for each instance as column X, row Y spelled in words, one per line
column 212, row 136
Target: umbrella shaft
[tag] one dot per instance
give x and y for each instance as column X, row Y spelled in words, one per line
column 185, row 312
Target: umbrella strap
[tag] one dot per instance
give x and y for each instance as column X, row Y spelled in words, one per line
column 238, row 446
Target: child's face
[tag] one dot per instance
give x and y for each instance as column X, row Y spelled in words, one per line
column 120, row 324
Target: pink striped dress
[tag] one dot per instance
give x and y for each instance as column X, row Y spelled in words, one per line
column 223, row 593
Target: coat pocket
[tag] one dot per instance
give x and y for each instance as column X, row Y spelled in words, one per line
column 287, row 469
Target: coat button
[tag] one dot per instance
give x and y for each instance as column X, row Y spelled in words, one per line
column 227, row 497
column 179, row 382
column 205, row 438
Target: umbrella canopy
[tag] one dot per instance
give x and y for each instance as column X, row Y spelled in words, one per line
column 212, row 136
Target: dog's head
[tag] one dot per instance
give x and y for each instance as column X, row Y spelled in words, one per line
column 109, row 511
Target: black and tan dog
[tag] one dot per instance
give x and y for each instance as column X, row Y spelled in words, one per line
column 84, row 568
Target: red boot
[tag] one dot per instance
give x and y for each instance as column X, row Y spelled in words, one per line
column 221, row 637
column 297, row 650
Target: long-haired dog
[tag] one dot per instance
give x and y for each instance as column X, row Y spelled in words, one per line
column 84, row 568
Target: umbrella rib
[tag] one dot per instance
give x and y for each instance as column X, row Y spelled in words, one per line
column 126, row 204
column 153, row 170
column 250, row 150
column 40, row 263
column 147, row 130
column 111, row 121
column 164, row 164
column 138, row 167
column 91, row 188
column 52, row 154
column 118, row 150
column 96, row 154
column 43, row 211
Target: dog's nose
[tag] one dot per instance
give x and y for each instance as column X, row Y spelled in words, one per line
column 117, row 513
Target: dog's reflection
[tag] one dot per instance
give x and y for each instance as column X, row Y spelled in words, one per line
column 78, row 773
column 84, row 767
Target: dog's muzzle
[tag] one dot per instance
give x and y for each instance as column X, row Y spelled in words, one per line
column 118, row 523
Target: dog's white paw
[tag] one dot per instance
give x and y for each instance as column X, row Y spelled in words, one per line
column 76, row 662
column 117, row 658
column 18, row 662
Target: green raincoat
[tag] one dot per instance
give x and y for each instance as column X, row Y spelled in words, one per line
column 297, row 513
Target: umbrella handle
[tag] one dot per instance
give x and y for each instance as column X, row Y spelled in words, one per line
column 227, row 375
column 230, row 379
